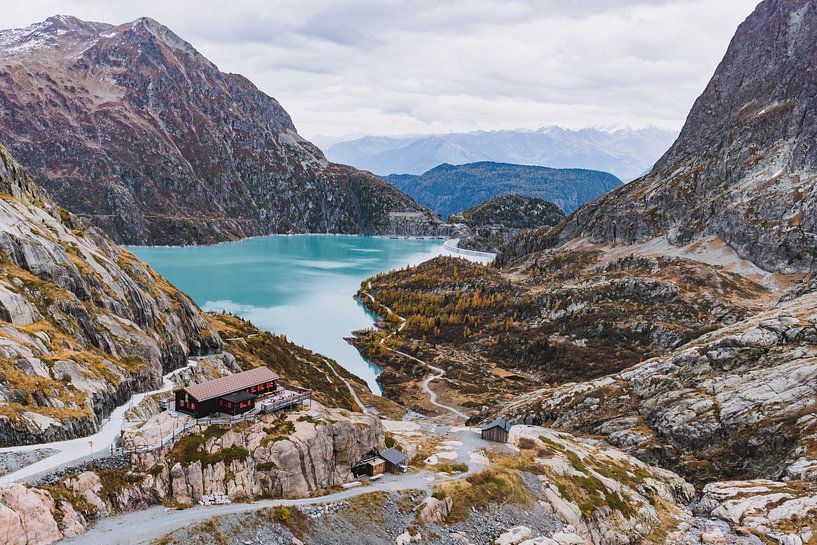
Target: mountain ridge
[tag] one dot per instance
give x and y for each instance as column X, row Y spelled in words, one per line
column 626, row 153
column 130, row 126
column 448, row 189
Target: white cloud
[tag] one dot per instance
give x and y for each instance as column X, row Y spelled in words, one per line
column 415, row 66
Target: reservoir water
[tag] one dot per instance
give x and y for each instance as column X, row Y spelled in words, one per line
column 300, row 286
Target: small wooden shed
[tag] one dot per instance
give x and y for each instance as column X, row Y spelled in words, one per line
column 496, row 431
column 371, row 466
column 395, row 460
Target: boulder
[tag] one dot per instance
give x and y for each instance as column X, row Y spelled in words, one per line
column 713, row 536
column 406, row 537
column 435, row 511
column 566, row 538
column 73, row 523
column 11, row 527
column 35, row 511
column 16, row 309
column 514, row 536
column 87, row 486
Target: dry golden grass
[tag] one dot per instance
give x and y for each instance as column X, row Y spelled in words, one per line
column 494, row 486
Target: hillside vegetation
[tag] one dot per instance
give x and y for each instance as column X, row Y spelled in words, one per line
column 561, row 317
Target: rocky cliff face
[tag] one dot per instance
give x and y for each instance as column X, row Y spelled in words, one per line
column 131, row 127
column 266, row 459
column 744, row 165
column 735, row 403
column 85, row 323
column 293, row 458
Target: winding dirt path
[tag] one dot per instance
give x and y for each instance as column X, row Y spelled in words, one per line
column 155, row 522
column 71, row 450
column 437, row 372
column 352, row 391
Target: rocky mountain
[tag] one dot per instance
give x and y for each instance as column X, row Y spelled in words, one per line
column 512, row 211
column 626, row 153
column 744, row 166
column 498, row 220
column 448, row 189
column 85, row 323
column 131, row 127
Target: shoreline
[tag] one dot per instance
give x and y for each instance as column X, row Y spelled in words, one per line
column 253, row 237
column 453, row 245
column 428, row 246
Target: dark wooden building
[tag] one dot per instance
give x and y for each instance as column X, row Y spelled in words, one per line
column 496, row 431
column 371, row 466
column 233, row 394
column 395, row 460
column 237, row 403
column 392, row 460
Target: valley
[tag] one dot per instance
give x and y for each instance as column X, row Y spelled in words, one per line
column 550, row 320
column 292, row 351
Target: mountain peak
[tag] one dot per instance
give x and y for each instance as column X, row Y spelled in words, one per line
column 57, row 23
column 177, row 151
column 149, row 28
column 64, row 21
column 744, row 165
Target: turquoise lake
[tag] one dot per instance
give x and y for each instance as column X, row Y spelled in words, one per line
column 301, row 286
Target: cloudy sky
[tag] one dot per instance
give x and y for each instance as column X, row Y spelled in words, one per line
column 422, row 66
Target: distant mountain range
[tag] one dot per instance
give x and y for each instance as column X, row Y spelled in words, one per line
column 448, row 189
column 131, row 127
column 627, row 153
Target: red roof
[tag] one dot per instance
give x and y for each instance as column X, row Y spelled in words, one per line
column 231, row 383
